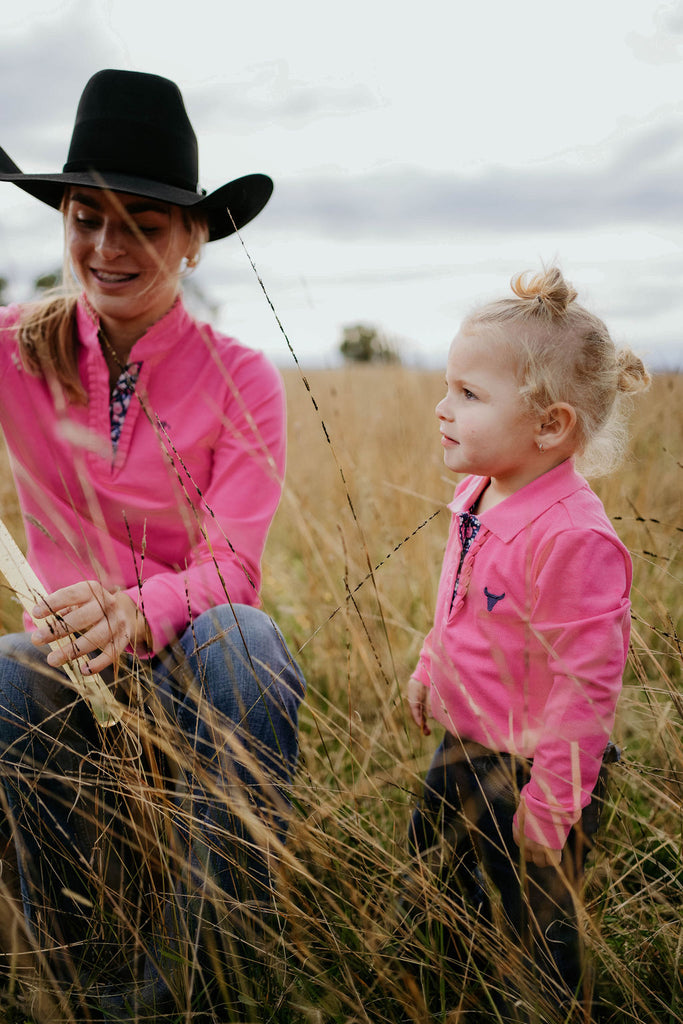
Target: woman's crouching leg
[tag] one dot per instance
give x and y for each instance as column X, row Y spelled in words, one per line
column 237, row 691
column 45, row 830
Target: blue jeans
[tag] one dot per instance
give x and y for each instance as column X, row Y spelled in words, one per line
column 209, row 772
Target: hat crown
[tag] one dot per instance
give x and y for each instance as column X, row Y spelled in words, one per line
column 132, row 134
column 131, row 122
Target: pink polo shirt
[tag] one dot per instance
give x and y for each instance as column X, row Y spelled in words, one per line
column 178, row 516
column 529, row 657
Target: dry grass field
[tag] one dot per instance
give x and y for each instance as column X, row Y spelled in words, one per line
column 352, row 566
column 351, row 569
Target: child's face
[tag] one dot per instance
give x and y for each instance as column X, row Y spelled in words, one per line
column 485, row 428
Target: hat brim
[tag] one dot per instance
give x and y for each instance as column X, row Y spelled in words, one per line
column 226, row 210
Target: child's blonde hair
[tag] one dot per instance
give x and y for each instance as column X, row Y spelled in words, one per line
column 564, row 353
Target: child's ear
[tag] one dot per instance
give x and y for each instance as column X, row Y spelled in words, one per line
column 556, row 426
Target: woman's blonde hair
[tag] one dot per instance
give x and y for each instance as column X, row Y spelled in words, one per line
column 48, row 342
column 564, row 353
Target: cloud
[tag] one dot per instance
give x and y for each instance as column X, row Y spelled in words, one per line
column 638, row 180
column 665, row 45
column 268, row 95
column 43, row 69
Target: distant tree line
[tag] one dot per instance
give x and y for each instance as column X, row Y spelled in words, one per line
column 363, row 343
column 40, row 284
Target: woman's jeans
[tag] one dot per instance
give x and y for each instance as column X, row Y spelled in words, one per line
column 463, row 828
column 131, row 838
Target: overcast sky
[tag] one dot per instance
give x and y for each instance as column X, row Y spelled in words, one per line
column 422, row 154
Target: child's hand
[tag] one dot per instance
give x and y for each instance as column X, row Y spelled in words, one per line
column 417, row 702
column 541, row 856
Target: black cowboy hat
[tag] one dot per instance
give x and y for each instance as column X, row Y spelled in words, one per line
column 132, row 134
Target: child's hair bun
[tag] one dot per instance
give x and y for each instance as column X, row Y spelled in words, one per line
column 632, row 375
column 549, row 290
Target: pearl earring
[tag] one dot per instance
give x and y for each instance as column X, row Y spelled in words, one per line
column 540, row 447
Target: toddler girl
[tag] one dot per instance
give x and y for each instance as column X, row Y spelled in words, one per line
column 523, row 665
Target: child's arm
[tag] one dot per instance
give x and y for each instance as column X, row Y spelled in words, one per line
column 581, row 614
column 417, row 702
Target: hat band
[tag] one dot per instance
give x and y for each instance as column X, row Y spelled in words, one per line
column 142, row 150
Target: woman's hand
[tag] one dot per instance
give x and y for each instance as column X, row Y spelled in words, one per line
column 417, row 702
column 93, row 619
column 541, row 856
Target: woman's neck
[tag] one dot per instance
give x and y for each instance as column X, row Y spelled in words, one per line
column 117, row 339
column 118, row 336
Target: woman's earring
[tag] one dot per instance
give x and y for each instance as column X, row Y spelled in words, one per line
column 540, row 447
column 191, row 261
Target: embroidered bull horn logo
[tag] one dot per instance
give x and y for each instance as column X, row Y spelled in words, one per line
column 492, row 599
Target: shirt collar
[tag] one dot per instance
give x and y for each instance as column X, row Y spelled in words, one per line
column 515, row 513
column 160, row 337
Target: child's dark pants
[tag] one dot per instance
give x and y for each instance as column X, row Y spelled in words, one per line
column 465, row 818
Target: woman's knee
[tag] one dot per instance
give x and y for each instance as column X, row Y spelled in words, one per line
column 246, row 674
column 240, row 646
column 20, row 665
column 31, row 692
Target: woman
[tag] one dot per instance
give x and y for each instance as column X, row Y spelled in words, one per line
column 148, row 453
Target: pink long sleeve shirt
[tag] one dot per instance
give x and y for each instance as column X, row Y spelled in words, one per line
column 529, row 656
column 178, row 515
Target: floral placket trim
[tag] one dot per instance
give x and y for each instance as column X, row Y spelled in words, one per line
column 468, row 528
column 122, row 392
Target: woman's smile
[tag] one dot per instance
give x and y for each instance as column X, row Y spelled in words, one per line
column 111, row 276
